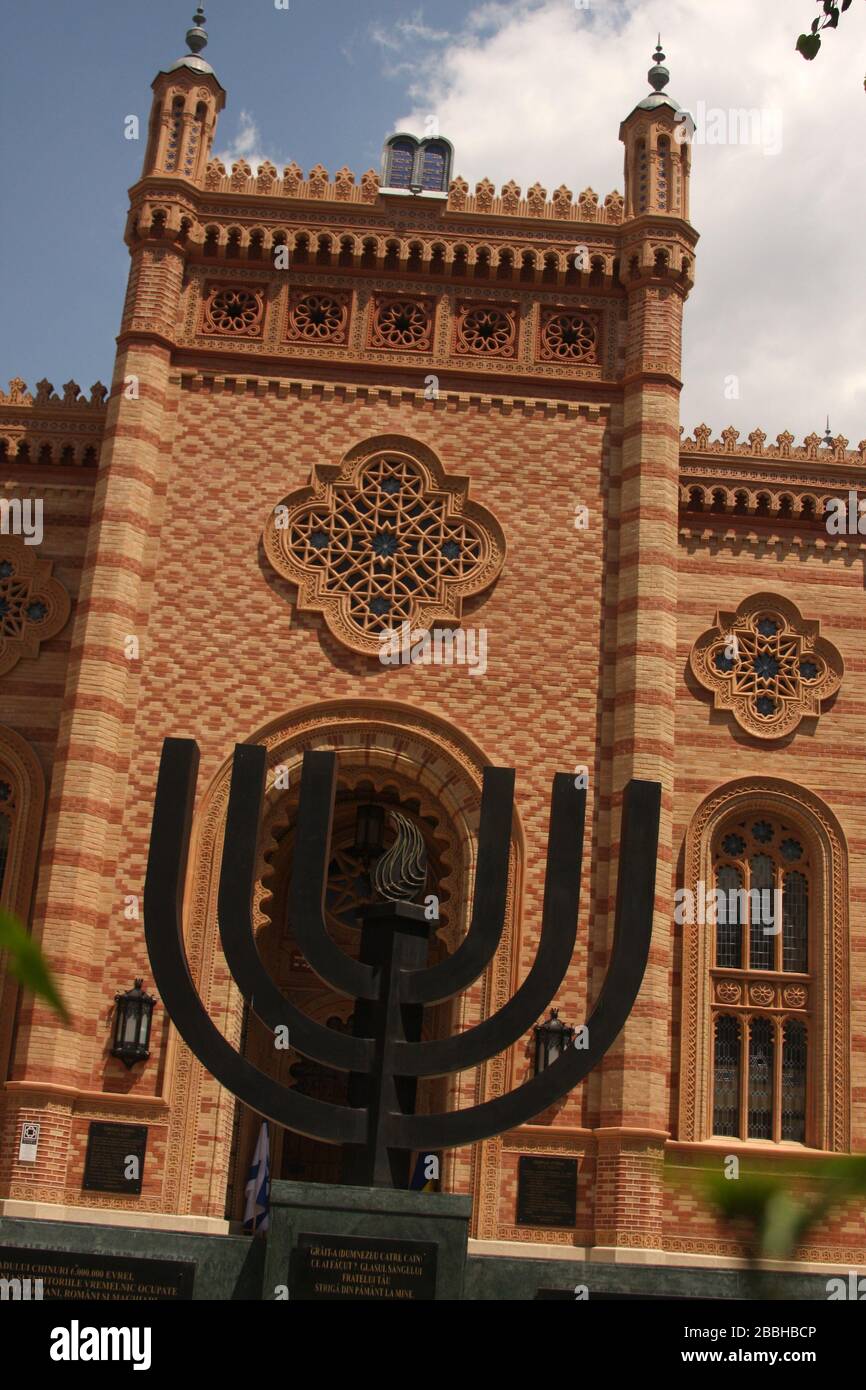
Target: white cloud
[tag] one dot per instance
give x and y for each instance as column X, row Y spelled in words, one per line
column 247, row 144
column 536, row 89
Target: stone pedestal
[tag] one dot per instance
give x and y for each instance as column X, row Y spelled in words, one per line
column 335, row 1243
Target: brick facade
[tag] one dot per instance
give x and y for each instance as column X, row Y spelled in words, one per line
column 236, row 379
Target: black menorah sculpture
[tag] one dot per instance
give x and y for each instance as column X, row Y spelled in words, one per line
column 390, row 980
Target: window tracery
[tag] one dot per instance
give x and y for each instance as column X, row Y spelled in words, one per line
column 386, row 538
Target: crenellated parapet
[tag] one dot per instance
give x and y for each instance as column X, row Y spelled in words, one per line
column 752, row 485
column 510, row 201
column 48, row 428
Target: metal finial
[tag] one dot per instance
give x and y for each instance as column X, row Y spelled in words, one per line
column 828, row 438
column 196, row 38
column 658, row 76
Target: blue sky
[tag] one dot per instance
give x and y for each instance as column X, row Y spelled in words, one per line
column 525, row 89
column 74, row 70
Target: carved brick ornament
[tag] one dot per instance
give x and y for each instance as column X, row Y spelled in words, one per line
column 33, row 606
column 486, row 330
column 318, row 317
column 406, row 324
column 767, row 664
column 234, row 311
column 384, row 538
column 567, row 337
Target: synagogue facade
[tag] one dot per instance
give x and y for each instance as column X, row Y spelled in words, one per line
column 347, row 406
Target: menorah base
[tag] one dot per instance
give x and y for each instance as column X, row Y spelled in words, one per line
column 337, row 1244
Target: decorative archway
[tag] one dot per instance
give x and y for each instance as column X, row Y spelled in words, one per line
column 385, row 744
column 821, row 832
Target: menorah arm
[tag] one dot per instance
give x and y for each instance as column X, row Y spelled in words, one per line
column 163, row 928
column 555, row 950
column 237, row 880
column 631, row 945
column 456, row 973
column 309, row 875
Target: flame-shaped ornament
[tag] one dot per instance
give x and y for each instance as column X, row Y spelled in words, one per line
column 400, row 874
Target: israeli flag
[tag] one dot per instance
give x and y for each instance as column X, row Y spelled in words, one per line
column 258, row 1186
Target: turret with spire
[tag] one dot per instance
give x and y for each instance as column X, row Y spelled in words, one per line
column 187, row 101
column 657, row 137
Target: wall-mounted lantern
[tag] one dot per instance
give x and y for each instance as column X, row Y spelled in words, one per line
column 133, row 1015
column 552, row 1037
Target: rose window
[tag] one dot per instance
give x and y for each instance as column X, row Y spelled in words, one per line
column 568, row 338
column 238, row 312
column 319, row 318
column 768, row 665
column 486, row 331
column 403, row 323
column 33, row 606
column 386, row 539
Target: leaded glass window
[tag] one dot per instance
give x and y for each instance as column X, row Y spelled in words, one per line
column 795, row 922
column 761, row 990
column 726, row 1090
column 7, row 811
column 5, row 832
column 729, row 919
column 761, row 912
column 794, row 1081
column 761, row 1073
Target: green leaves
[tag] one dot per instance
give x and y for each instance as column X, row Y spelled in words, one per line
column 808, row 44
column 780, row 1221
column 27, row 963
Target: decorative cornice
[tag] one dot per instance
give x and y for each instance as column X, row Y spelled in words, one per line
column 320, row 188
column 72, row 397
column 728, row 447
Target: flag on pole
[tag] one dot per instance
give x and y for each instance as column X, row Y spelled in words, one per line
column 425, row 1177
column 258, row 1188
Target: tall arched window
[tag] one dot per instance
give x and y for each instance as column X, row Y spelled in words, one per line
column 7, row 811
column 766, row 1006
column 664, row 173
column 761, row 982
column 642, row 176
column 175, row 134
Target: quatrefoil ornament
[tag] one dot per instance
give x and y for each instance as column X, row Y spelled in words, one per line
column 34, row 606
column 767, row 664
column 387, row 537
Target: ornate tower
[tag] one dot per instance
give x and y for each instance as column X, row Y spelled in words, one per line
column 186, row 102
column 656, row 263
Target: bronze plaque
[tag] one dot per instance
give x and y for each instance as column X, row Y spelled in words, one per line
column 336, row 1268
column 107, row 1166
column 546, row 1191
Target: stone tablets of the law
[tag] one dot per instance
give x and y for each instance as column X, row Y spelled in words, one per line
column 546, row 1191
column 115, row 1158
column 337, row 1268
